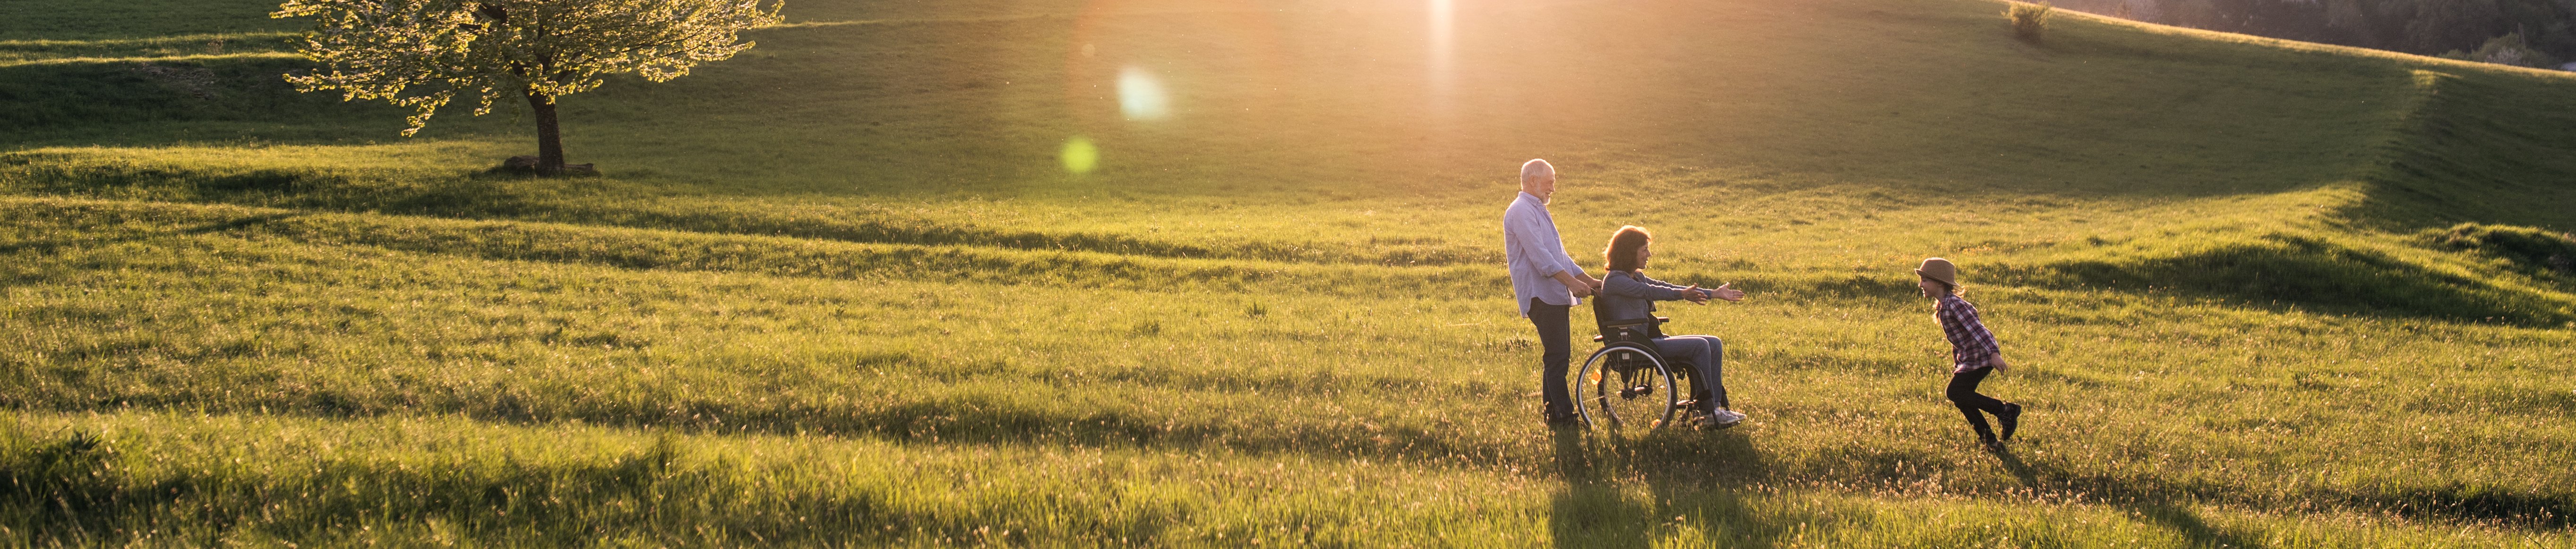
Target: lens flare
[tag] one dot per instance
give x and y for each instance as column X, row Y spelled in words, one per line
column 1444, row 41
column 1079, row 155
column 1140, row 95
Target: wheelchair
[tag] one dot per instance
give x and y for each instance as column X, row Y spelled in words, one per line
column 1627, row 386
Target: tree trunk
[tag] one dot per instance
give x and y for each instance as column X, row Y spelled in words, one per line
column 550, row 155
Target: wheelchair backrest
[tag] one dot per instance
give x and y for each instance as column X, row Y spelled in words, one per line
column 1621, row 329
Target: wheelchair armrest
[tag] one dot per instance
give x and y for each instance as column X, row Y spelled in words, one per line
column 1632, row 322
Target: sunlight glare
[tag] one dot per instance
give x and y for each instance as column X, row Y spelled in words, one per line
column 1444, row 16
column 1140, row 95
column 1079, row 155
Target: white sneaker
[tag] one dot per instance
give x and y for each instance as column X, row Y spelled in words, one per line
column 1722, row 419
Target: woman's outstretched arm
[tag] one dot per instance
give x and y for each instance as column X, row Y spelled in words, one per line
column 1631, row 285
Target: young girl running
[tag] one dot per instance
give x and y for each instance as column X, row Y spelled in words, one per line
column 1973, row 353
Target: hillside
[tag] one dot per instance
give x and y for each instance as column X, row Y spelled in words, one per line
column 841, row 288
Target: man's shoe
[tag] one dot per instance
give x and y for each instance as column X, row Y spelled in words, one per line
column 2010, row 418
column 1720, row 419
column 1564, row 420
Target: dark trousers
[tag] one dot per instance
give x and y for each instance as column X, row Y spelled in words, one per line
column 1706, row 358
column 1963, row 392
column 1557, row 350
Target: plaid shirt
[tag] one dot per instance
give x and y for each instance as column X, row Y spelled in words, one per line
column 1971, row 346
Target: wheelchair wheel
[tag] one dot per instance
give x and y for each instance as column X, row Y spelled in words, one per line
column 1624, row 389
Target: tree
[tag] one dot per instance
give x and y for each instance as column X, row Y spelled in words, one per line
column 422, row 53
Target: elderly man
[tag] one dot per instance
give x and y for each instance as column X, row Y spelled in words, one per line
column 1545, row 281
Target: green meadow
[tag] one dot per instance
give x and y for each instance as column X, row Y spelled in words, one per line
column 843, row 289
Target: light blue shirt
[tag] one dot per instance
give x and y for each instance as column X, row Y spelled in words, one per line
column 1536, row 255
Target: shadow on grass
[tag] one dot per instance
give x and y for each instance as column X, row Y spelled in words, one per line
column 1689, row 473
column 52, row 245
column 136, row 103
column 2162, row 510
column 601, row 202
column 461, row 195
column 2168, row 502
column 1590, row 511
column 2482, row 146
column 956, row 420
column 2286, row 270
column 81, row 491
column 1696, row 487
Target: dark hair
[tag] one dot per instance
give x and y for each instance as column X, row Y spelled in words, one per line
column 1622, row 253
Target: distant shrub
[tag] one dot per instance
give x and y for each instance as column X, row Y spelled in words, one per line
column 2289, row 269
column 2529, row 248
column 2028, row 19
column 2509, row 49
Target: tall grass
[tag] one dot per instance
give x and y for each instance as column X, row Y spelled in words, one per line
column 837, row 292
column 226, row 319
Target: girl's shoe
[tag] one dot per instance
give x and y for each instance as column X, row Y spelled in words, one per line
column 2011, row 418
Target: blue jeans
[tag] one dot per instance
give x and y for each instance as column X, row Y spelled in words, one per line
column 1707, row 357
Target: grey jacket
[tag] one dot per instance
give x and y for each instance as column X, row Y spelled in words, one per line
column 1626, row 295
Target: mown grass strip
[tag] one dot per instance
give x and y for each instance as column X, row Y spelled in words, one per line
column 190, row 47
column 193, row 58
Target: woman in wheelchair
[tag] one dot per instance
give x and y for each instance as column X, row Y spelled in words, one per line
column 1626, row 293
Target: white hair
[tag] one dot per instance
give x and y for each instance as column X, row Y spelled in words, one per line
column 1534, row 169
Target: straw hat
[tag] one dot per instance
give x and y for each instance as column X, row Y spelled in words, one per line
column 1939, row 269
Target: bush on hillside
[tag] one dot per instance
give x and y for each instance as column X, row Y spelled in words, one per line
column 2509, row 49
column 2028, row 19
column 2528, row 248
column 2298, row 270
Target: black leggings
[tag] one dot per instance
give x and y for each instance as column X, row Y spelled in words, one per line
column 1963, row 392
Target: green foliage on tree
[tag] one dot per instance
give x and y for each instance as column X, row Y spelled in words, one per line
column 423, row 54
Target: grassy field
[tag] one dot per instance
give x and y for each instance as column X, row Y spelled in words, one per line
column 840, row 290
